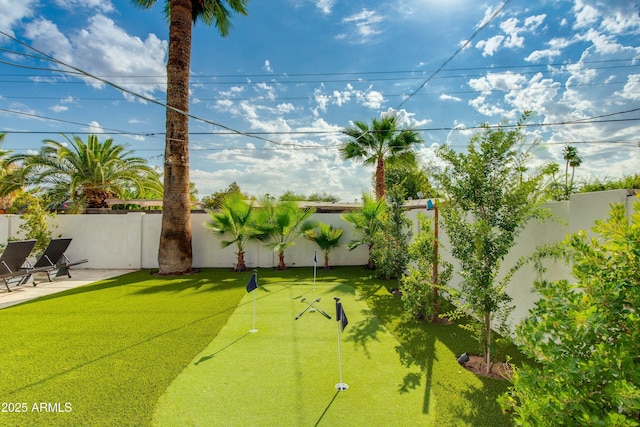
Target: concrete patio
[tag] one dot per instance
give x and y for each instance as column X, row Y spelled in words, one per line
column 79, row 277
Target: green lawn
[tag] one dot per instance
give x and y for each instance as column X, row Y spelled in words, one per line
column 118, row 351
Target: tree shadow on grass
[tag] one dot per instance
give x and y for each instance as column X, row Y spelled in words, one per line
column 177, row 329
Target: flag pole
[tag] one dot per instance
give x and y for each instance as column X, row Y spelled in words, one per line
column 341, row 386
column 315, row 263
column 255, row 297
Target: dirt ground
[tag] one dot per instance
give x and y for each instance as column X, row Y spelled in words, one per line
column 499, row 370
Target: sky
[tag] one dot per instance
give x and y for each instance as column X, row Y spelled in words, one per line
column 269, row 100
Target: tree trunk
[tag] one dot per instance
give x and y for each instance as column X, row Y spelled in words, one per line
column 487, row 340
column 326, row 261
column 281, row 264
column 380, row 186
column 175, row 254
column 241, row 266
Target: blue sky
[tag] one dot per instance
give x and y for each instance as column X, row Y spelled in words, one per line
column 295, row 72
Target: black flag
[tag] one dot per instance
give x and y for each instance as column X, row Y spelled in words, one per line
column 341, row 316
column 253, row 283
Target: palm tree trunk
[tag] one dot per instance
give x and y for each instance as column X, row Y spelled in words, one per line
column 175, row 254
column 326, row 261
column 281, row 264
column 241, row 266
column 380, row 186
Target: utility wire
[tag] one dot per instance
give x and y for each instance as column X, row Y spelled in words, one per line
column 460, row 49
column 137, row 95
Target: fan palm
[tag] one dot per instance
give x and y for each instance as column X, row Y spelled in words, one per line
column 366, row 221
column 85, row 173
column 282, row 222
column 234, row 224
column 327, row 238
column 175, row 255
column 382, row 142
column 6, row 199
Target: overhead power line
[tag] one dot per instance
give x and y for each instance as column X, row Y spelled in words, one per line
column 137, row 95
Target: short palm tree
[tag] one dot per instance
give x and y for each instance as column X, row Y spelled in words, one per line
column 327, row 238
column 382, row 142
column 85, row 173
column 234, row 224
column 282, row 222
column 367, row 220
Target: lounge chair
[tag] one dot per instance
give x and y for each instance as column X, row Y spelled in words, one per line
column 13, row 260
column 54, row 258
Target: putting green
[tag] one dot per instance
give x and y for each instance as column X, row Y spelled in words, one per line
column 286, row 373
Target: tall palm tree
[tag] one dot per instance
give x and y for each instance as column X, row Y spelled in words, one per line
column 382, row 142
column 234, row 224
column 573, row 160
column 367, row 220
column 327, row 238
column 282, row 222
column 175, row 255
column 85, row 173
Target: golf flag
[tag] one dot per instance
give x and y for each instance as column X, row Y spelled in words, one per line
column 315, row 257
column 253, row 283
column 341, row 316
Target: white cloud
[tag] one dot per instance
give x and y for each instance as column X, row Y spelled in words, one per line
column 100, row 5
column 94, row 127
column 512, row 37
column 103, row 48
column 363, row 26
column 371, row 99
column 445, row 97
column 13, row 12
column 490, row 46
column 586, row 15
column 58, row 108
column 267, row 66
column 325, row 6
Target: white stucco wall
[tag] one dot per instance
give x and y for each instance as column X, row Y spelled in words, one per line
column 115, row 241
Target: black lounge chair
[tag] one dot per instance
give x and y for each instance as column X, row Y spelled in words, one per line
column 54, row 258
column 13, row 260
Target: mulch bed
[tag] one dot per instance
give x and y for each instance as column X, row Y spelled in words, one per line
column 499, row 370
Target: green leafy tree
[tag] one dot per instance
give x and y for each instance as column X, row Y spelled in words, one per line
column 323, row 197
column 282, row 222
column 391, row 240
column 291, row 196
column 428, row 273
column 235, row 224
column 584, row 335
column 327, row 238
column 413, row 180
column 315, row 197
column 214, row 201
column 86, row 173
column 37, row 219
column 175, row 255
column 384, row 142
column 625, row 183
column 366, row 220
column 490, row 200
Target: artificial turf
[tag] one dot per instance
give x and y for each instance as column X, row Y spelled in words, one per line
column 118, row 350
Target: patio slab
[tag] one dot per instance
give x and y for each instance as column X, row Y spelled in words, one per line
column 79, row 277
